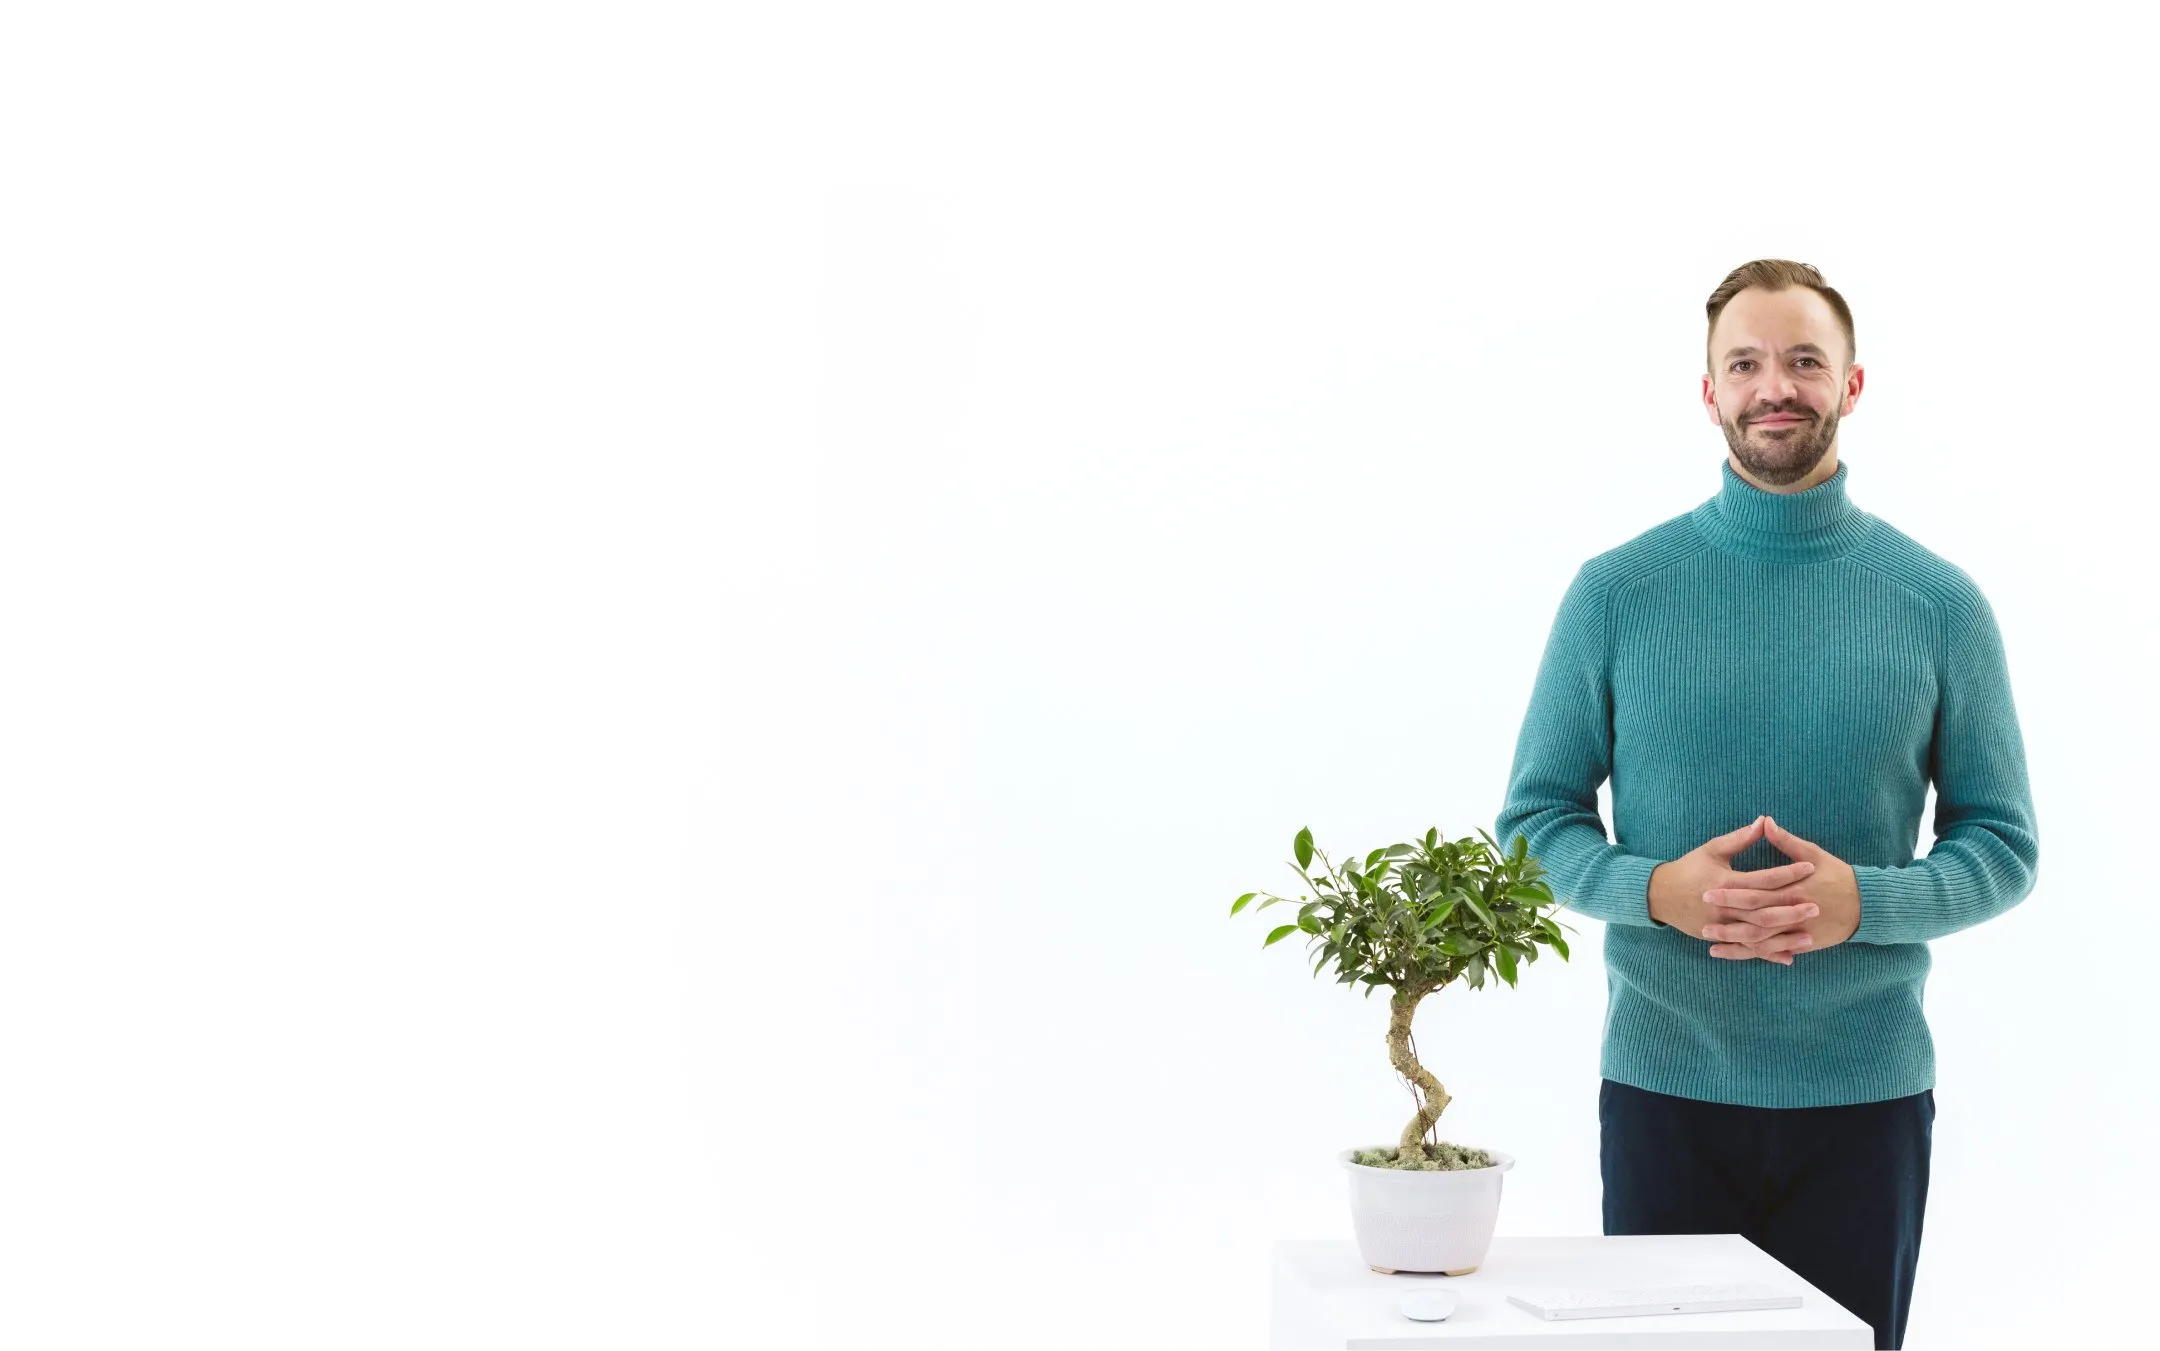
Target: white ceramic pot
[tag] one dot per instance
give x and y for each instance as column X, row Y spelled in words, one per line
column 1411, row 1220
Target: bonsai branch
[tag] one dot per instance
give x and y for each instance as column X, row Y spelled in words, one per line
column 1434, row 1098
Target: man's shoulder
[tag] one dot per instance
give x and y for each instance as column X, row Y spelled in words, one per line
column 1651, row 550
column 1893, row 554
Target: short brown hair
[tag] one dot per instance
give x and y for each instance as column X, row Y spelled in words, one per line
column 1776, row 274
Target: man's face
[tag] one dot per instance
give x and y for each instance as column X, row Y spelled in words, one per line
column 1775, row 386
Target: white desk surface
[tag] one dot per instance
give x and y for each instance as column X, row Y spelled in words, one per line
column 1326, row 1297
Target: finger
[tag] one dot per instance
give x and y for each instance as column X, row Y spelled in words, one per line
column 1769, row 879
column 1740, row 952
column 1745, row 926
column 1735, row 932
column 1792, row 940
column 1732, row 842
column 1786, row 940
column 1787, row 842
column 1749, row 899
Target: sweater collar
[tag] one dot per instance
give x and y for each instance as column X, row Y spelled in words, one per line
column 1821, row 522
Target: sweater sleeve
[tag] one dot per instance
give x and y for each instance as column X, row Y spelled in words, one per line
column 1986, row 854
column 1562, row 755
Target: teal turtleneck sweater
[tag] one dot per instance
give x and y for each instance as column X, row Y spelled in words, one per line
column 1792, row 655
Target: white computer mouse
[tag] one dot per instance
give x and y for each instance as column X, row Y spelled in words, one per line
column 1428, row 1306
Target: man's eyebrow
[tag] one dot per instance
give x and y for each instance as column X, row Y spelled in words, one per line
column 1757, row 351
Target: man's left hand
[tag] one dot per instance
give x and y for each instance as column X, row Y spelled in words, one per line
column 1832, row 888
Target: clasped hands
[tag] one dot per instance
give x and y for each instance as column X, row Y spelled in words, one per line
column 1807, row 905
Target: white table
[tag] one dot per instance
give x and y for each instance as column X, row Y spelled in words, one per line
column 1326, row 1297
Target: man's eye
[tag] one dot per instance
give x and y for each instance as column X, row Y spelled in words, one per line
column 1738, row 364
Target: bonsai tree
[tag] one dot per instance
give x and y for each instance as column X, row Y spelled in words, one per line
column 1412, row 919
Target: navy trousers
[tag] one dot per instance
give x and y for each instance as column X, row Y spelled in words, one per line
column 1835, row 1193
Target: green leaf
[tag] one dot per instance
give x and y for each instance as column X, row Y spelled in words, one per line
column 1432, row 838
column 1478, row 907
column 1530, row 895
column 1506, row 956
column 1240, row 903
column 1303, row 844
column 1550, row 932
column 1283, row 932
column 1272, row 900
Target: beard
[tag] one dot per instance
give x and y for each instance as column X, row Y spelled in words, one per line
column 1782, row 454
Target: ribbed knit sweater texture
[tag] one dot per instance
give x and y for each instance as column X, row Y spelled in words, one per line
column 1786, row 654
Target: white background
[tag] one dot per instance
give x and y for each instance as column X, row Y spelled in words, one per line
column 644, row 644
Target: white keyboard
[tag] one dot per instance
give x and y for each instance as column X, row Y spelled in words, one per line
column 1635, row 1301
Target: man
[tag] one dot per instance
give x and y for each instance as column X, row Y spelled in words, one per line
column 1771, row 681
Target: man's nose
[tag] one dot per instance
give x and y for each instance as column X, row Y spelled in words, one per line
column 1781, row 390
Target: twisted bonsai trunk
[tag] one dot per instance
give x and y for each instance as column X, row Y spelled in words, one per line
column 1434, row 1098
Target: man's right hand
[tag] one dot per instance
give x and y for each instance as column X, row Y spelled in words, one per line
column 1677, row 887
